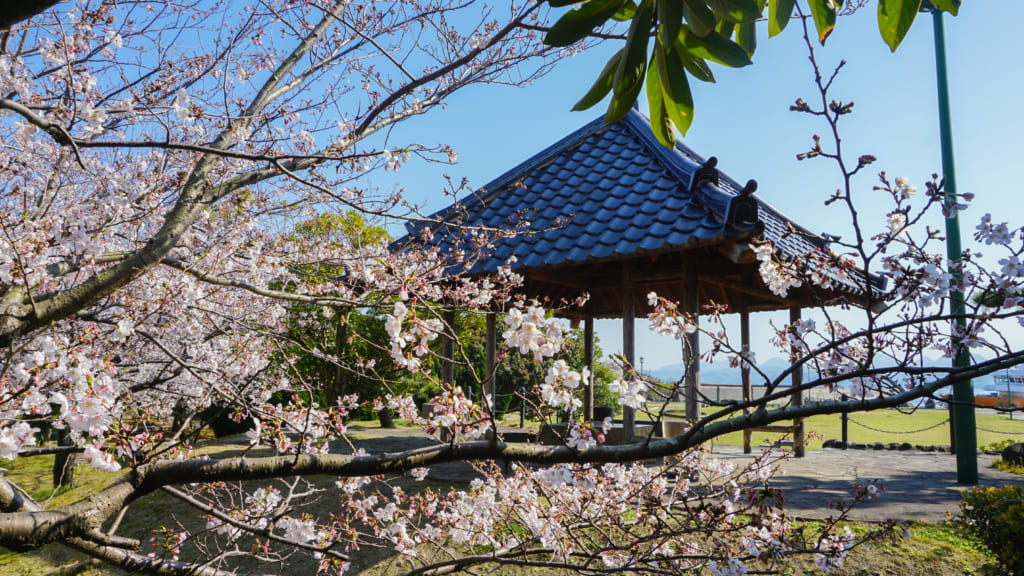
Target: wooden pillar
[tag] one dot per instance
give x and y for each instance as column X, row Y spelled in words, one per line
column 745, row 374
column 691, row 344
column 588, row 362
column 628, row 345
column 798, row 395
column 448, row 349
column 490, row 363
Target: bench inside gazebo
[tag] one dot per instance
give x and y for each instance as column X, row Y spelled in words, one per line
column 608, row 211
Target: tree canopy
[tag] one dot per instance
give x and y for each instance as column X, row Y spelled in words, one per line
column 689, row 34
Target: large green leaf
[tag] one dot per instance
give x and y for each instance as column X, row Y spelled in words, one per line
column 694, row 65
column 677, row 99
column 725, row 28
column 626, row 12
column 746, row 32
column 735, row 10
column 779, row 13
column 824, row 13
column 670, row 20
column 603, row 86
column 576, row 25
column 716, row 48
column 661, row 124
column 629, row 75
column 895, row 18
column 749, row 11
column 746, row 36
column 951, row 6
column 700, row 18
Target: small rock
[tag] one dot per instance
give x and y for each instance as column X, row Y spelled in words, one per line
column 941, row 448
column 893, row 446
column 831, row 443
column 1014, row 454
column 877, row 446
column 858, row 445
column 906, row 446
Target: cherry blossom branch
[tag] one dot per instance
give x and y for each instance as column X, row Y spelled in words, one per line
column 47, row 526
column 410, row 87
column 195, row 196
column 132, row 562
column 54, row 129
column 263, row 532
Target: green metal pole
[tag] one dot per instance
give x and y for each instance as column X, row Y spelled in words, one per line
column 963, row 390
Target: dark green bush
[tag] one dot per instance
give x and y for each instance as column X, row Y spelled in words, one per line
column 998, row 446
column 996, row 517
column 224, row 421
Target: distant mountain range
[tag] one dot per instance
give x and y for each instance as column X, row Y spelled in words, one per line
column 721, row 373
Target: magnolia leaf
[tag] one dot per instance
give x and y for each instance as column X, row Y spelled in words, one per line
column 629, row 75
column 895, row 18
column 725, row 28
column 670, row 20
column 602, row 86
column 824, row 14
column 576, row 25
column 626, row 12
column 779, row 13
column 951, row 6
column 677, row 99
column 716, row 48
column 744, row 11
column 661, row 125
column 694, row 65
column 700, row 18
column 746, row 36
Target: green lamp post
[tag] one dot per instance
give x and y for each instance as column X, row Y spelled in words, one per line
column 962, row 420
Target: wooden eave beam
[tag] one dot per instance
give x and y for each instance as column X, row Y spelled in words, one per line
column 743, row 288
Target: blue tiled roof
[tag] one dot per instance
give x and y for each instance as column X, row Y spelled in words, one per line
column 606, row 192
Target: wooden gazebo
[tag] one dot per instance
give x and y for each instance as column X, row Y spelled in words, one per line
column 610, row 212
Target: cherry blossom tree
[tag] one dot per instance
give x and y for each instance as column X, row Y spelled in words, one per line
column 157, row 158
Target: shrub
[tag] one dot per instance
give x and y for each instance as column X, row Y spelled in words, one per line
column 998, row 446
column 996, row 517
column 1005, row 466
column 224, row 422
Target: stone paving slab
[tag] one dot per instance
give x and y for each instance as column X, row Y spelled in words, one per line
column 918, row 485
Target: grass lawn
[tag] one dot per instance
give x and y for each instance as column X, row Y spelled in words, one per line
column 896, row 423
column 821, row 428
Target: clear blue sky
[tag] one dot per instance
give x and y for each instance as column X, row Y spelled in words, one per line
column 745, row 121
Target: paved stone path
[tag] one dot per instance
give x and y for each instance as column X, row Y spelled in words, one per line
column 918, row 485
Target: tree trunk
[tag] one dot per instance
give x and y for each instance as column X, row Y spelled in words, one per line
column 385, row 418
column 339, row 385
column 64, row 463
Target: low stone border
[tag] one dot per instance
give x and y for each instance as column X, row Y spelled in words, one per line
column 900, row 446
column 904, row 446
